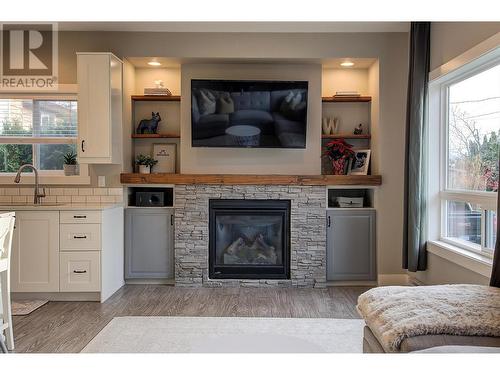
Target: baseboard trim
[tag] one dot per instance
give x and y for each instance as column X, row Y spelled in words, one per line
column 59, row 296
column 393, row 279
column 150, row 281
column 351, row 283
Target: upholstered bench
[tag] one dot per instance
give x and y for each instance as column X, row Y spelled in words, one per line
column 406, row 319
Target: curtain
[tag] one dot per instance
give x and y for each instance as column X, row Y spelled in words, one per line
column 495, row 273
column 414, row 231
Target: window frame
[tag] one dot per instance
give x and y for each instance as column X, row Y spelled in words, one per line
column 47, row 177
column 439, row 98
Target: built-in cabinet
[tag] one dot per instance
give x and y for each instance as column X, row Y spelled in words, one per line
column 351, row 249
column 149, row 243
column 68, row 251
column 100, row 84
column 35, row 252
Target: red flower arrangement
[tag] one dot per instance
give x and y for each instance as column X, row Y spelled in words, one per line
column 340, row 152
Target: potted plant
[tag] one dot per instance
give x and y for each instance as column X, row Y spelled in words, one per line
column 70, row 165
column 339, row 152
column 145, row 162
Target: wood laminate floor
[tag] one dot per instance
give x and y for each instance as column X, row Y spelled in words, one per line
column 66, row 327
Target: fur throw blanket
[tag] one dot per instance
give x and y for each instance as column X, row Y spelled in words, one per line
column 394, row 313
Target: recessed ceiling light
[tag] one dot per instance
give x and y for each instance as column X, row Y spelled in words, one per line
column 154, row 63
column 347, row 63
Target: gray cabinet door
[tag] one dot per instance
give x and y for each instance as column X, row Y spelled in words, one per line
column 351, row 245
column 149, row 243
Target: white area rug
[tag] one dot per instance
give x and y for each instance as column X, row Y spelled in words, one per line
column 26, row 307
column 137, row 334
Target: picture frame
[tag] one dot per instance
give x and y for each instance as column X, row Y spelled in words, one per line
column 165, row 153
column 360, row 162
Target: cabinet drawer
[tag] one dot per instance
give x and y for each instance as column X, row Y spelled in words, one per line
column 80, row 217
column 80, row 271
column 80, row 237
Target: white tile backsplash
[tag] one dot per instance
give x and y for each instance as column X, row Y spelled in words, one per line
column 11, row 191
column 56, row 191
column 85, row 191
column 19, row 199
column 100, row 191
column 63, row 199
column 62, row 195
column 71, row 191
column 115, row 191
column 93, row 199
column 78, row 199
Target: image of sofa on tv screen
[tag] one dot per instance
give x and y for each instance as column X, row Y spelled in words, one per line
column 249, row 117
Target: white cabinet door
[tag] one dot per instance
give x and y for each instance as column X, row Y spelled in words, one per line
column 99, row 108
column 35, row 252
column 80, row 271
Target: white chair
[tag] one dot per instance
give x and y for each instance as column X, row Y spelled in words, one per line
column 6, row 232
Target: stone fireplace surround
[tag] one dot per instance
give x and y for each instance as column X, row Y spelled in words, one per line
column 307, row 235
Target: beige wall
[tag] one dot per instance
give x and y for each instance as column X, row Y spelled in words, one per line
column 442, row 271
column 334, row 80
column 253, row 161
column 145, row 77
column 391, row 50
column 450, row 39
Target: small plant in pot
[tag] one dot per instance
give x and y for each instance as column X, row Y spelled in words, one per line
column 145, row 162
column 70, row 165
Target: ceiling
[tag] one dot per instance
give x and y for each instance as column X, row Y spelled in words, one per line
column 238, row 27
column 142, row 62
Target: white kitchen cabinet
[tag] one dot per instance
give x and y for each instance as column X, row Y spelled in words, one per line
column 99, row 108
column 35, row 252
column 80, row 271
column 67, row 254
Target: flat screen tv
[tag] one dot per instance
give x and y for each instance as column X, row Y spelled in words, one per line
column 267, row 114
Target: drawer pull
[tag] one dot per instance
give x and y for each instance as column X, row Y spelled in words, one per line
column 77, row 271
column 79, row 216
column 79, row 237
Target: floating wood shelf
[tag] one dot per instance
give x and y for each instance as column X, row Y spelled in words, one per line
column 165, row 135
column 346, row 99
column 156, row 98
column 234, row 179
column 346, row 136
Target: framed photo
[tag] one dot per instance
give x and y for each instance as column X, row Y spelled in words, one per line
column 360, row 162
column 165, row 154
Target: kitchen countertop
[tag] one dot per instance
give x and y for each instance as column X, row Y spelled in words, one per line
column 58, row 206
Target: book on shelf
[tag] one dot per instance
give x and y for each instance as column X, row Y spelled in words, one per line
column 346, row 93
column 157, row 91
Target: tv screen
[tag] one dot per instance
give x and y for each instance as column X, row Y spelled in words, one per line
column 268, row 114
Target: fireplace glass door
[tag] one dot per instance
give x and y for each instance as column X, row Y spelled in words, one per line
column 249, row 239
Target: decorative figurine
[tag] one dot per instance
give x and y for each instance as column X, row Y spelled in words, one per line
column 359, row 129
column 149, row 126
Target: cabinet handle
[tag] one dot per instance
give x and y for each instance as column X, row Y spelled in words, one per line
column 171, row 219
column 79, row 216
column 83, row 149
column 329, row 222
column 77, row 271
column 79, row 237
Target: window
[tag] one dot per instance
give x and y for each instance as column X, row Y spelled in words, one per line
column 39, row 131
column 470, row 113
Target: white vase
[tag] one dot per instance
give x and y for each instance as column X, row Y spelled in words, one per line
column 326, row 126
column 144, row 169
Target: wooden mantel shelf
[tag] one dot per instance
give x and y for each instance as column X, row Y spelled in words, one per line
column 239, row 179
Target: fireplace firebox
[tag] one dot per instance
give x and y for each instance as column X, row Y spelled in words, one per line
column 249, row 239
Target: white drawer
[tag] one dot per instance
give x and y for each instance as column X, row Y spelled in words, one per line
column 79, row 271
column 80, row 217
column 80, row 237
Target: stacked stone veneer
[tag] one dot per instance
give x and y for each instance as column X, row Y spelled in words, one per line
column 308, row 233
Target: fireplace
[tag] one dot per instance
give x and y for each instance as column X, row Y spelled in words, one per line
column 249, row 239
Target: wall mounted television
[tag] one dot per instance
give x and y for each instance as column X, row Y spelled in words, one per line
column 248, row 114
